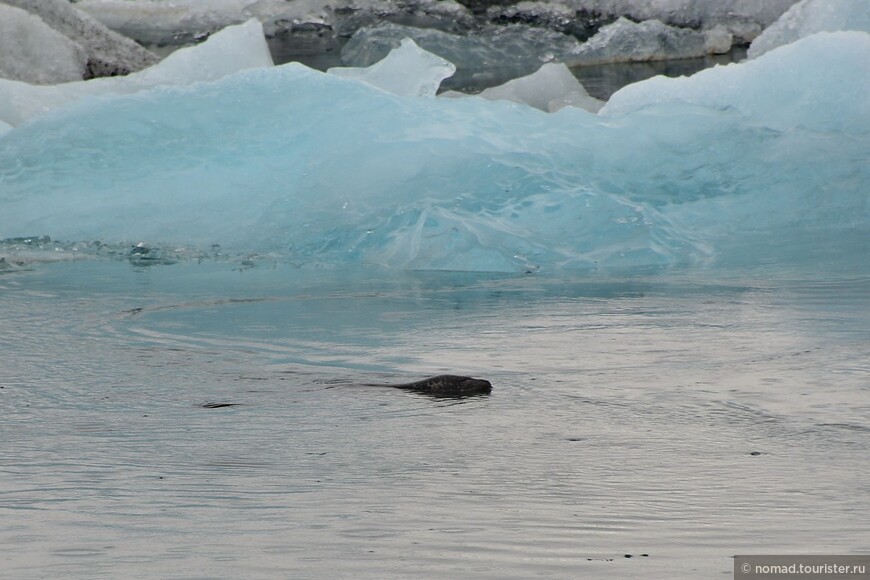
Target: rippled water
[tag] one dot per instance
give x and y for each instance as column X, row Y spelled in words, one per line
column 676, row 418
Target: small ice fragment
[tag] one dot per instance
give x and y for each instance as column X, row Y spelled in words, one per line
column 408, row 70
column 627, row 41
column 811, row 16
column 549, row 89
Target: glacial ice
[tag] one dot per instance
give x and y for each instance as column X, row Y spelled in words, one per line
column 234, row 48
column 230, row 50
column 280, row 16
column 322, row 172
column 508, row 41
column 497, row 54
column 159, row 22
column 549, row 89
column 407, row 70
column 482, row 59
column 181, row 21
column 820, row 83
column 33, row 52
column 627, row 41
column 108, row 53
column 718, row 40
column 744, row 18
column 811, row 16
column 552, row 15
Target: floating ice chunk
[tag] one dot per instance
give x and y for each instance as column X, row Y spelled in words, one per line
column 230, row 50
column 408, row 70
column 109, row 53
column 551, row 15
column 321, row 171
column 718, row 40
column 33, row 52
column 234, row 48
column 549, row 89
column 811, row 16
column 696, row 13
column 181, row 22
column 484, row 58
column 280, row 16
column 161, row 23
column 263, row 161
column 793, row 85
column 444, row 15
column 627, row 41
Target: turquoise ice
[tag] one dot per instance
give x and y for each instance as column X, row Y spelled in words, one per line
column 323, row 171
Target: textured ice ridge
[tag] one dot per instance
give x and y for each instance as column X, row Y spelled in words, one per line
column 107, row 53
column 811, row 16
column 234, row 48
column 324, row 171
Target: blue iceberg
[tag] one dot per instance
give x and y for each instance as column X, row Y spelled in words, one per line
column 230, row 50
column 811, row 16
column 324, row 171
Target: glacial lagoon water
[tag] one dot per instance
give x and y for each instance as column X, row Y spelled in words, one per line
column 679, row 418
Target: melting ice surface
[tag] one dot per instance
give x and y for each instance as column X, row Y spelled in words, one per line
column 230, row 50
column 329, row 171
column 392, row 73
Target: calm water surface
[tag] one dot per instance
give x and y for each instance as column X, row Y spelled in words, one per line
column 677, row 418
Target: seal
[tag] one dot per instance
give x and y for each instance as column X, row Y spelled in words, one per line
column 446, row 386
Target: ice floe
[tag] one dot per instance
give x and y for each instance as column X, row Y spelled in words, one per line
column 108, row 53
column 234, row 48
column 323, row 171
column 407, row 70
column 550, row 88
column 811, row 16
column 33, row 52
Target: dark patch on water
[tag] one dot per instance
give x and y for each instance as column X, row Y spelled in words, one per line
column 601, row 81
column 848, row 426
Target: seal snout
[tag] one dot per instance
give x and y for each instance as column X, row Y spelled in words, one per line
column 472, row 386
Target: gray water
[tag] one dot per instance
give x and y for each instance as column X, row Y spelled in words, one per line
column 679, row 418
